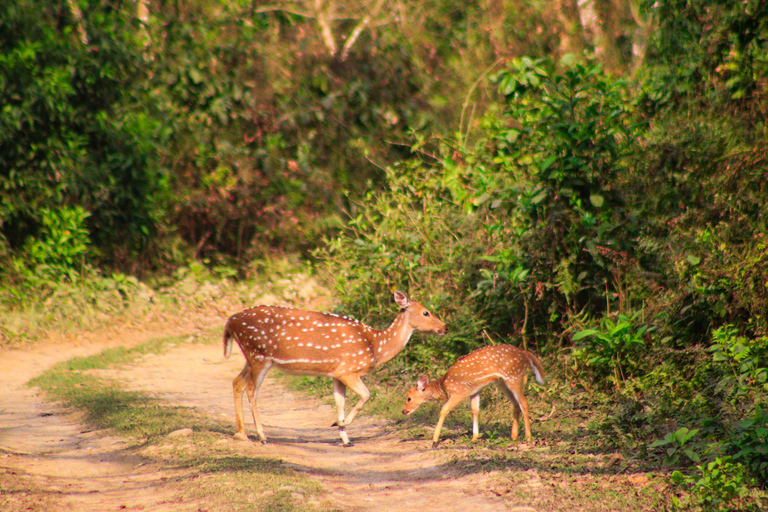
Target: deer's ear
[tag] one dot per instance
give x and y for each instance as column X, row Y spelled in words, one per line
column 421, row 384
column 402, row 299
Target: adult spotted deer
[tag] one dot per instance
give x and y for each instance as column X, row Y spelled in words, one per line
column 506, row 365
column 310, row 343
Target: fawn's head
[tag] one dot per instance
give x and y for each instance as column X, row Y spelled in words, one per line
column 417, row 395
column 419, row 317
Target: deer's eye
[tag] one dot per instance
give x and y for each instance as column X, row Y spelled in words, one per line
column 426, row 313
column 408, row 399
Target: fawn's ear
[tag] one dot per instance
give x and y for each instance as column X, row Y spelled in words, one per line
column 402, row 299
column 421, row 384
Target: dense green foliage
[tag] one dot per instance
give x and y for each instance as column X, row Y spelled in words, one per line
column 218, row 131
column 623, row 219
column 74, row 133
column 600, row 198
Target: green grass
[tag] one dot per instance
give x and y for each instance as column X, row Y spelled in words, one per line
column 229, row 481
column 104, row 401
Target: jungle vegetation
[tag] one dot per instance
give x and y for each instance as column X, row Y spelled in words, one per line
column 585, row 179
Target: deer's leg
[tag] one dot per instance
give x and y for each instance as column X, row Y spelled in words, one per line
column 474, row 404
column 238, row 386
column 452, row 402
column 340, row 395
column 514, row 391
column 356, row 385
column 253, row 384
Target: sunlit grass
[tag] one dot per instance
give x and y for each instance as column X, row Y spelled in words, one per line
column 104, row 401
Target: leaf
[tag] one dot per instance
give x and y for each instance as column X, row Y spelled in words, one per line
column 693, row 259
column 692, row 455
column 195, row 75
column 661, row 442
column 540, row 196
column 545, row 165
column 583, row 334
column 477, row 201
column 597, row 200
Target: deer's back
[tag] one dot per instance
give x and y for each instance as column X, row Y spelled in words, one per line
column 304, row 342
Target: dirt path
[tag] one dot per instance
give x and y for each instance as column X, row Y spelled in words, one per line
column 50, row 461
column 379, row 473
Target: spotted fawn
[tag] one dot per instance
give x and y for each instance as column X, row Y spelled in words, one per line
column 505, row 365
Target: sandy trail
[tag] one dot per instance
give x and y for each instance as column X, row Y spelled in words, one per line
column 50, row 461
column 379, row 473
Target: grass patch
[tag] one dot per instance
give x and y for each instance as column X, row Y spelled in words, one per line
column 226, row 480
column 104, row 401
column 253, row 490
column 248, row 483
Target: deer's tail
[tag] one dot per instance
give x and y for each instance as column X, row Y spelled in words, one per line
column 227, row 341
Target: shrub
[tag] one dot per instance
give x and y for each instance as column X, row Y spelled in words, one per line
column 613, row 353
column 721, row 482
column 749, row 442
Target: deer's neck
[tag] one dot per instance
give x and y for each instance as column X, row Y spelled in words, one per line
column 392, row 340
column 435, row 390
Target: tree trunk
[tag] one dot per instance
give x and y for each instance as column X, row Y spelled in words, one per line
column 573, row 40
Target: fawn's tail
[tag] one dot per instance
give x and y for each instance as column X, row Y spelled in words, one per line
column 538, row 370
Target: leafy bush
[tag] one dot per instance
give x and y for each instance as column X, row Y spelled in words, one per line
column 60, row 250
column 720, row 483
column 613, row 353
column 73, row 134
column 550, row 174
column 410, row 238
column 676, row 444
column 705, row 222
column 749, row 443
column 532, row 226
column 745, row 364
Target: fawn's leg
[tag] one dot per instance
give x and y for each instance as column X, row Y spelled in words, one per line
column 474, row 404
column 452, row 402
column 515, row 388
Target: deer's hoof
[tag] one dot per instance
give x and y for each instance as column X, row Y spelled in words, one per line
column 240, row 436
